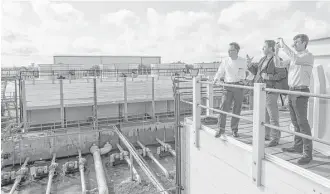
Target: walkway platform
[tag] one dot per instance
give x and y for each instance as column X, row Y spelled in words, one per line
column 320, row 164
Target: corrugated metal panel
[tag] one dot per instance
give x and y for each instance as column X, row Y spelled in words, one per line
column 87, row 61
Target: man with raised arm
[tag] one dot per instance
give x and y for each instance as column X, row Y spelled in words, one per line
column 299, row 74
column 266, row 72
column 232, row 70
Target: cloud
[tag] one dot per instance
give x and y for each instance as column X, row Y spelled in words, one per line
column 58, row 17
column 120, row 18
column 190, row 36
column 86, row 44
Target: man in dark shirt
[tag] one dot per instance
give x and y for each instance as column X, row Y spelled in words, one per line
column 266, row 72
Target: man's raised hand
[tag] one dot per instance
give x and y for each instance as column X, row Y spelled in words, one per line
column 249, row 59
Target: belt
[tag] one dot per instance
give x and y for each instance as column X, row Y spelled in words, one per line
column 235, row 83
column 298, row 87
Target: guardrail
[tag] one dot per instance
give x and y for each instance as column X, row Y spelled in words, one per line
column 259, row 109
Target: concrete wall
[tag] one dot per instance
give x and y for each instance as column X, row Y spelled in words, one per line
column 114, row 110
column 38, row 146
column 226, row 168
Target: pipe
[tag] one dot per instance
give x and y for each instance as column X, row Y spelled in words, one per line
column 151, row 156
column 100, row 175
column 81, row 170
column 142, row 164
column 169, row 148
column 52, row 169
column 20, row 175
column 138, row 178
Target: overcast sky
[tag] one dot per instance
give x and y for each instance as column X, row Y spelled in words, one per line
column 193, row 31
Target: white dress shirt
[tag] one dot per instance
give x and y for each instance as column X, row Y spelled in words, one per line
column 232, row 70
column 299, row 68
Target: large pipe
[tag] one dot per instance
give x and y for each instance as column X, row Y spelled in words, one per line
column 81, row 170
column 100, row 176
column 20, row 175
column 165, row 145
column 151, row 156
column 142, row 164
column 52, row 169
column 130, row 164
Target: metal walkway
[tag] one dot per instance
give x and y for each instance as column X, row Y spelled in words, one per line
column 319, row 165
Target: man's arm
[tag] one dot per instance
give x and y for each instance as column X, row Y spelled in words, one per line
column 305, row 59
column 288, row 51
column 220, row 73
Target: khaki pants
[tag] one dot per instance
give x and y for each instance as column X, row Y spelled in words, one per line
column 272, row 116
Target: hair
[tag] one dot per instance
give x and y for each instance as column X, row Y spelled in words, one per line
column 236, row 45
column 271, row 44
column 303, row 38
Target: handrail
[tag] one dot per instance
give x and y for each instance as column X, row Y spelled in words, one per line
column 228, row 85
column 227, row 113
column 298, row 93
column 297, row 134
column 260, row 92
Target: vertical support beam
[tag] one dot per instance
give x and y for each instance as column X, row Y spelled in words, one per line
column 116, row 74
column 53, row 77
column 210, row 97
column 95, row 119
column 62, row 103
column 196, row 109
column 25, row 119
column 153, row 98
column 258, row 151
column 125, row 100
column 16, row 103
column 131, row 166
column 177, row 143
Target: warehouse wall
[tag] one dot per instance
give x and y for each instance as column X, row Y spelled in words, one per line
column 89, row 61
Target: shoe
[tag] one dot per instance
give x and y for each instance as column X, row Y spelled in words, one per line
column 218, row 134
column 267, row 138
column 272, row 143
column 235, row 134
column 223, row 137
column 293, row 150
column 304, row 160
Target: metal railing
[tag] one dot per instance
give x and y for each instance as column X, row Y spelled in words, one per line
column 259, row 108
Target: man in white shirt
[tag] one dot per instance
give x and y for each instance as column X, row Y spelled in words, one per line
column 300, row 71
column 232, row 70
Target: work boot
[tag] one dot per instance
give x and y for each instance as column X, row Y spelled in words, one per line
column 235, row 134
column 272, row 143
column 293, row 150
column 304, row 160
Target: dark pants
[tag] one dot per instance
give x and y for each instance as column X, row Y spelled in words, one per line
column 298, row 112
column 229, row 95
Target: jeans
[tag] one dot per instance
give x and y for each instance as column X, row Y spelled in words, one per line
column 272, row 117
column 298, row 113
column 229, row 95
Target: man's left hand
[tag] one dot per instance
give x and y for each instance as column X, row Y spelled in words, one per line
column 264, row 76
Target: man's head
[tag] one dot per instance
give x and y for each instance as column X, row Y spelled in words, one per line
column 233, row 50
column 300, row 42
column 269, row 47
